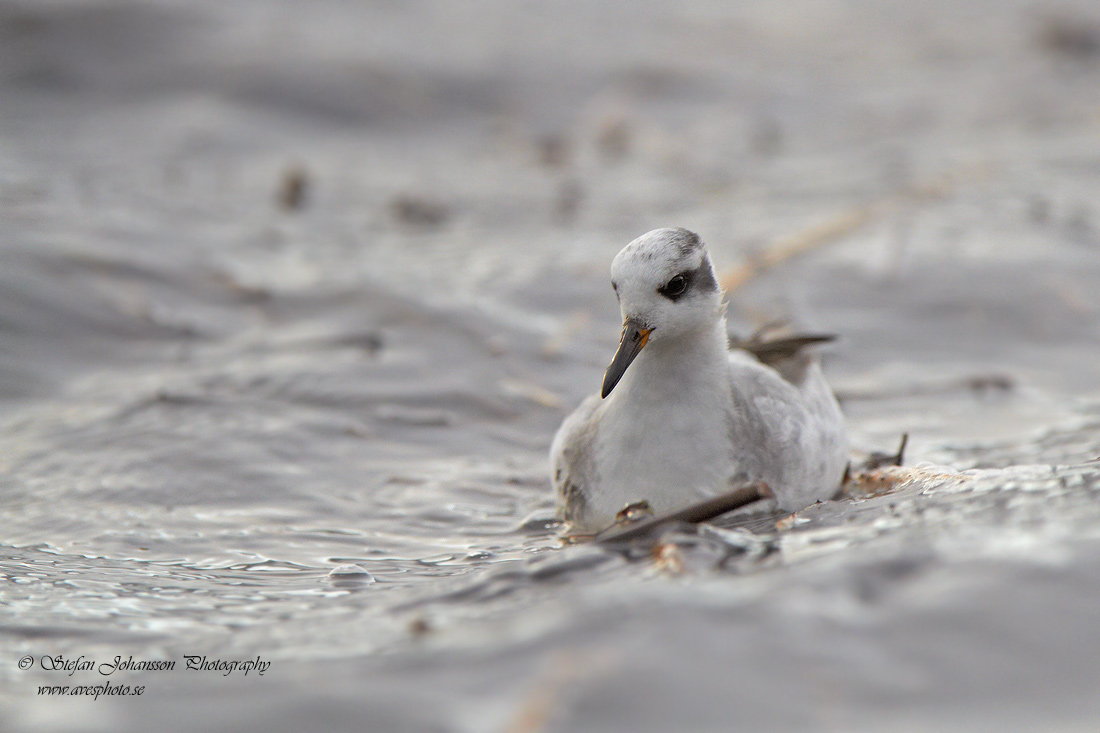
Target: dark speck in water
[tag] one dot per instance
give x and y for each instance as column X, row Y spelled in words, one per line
column 294, row 189
column 419, row 211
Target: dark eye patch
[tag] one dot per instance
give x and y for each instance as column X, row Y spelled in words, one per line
column 675, row 288
column 701, row 278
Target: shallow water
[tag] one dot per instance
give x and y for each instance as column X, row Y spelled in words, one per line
column 211, row 398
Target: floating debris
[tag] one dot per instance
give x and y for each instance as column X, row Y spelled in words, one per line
column 635, row 512
column 1069, row 37
column 419, row 626
column 668, row 557
column 878, row 460
column 704, row 548
column 294, row 188
column 369, row 341
column 647, row 531
column 569, row 198
column 978, row 384
column 613, row 137
column 418, row 211
column 867, row 484
column 554, row 151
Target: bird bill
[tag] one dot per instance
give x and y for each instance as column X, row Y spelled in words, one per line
column 634, row 339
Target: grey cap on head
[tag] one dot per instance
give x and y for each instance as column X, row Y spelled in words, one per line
column 658, row 242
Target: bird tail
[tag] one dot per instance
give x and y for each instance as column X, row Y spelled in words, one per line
column 786, row 354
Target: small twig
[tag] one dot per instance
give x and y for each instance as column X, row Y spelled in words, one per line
column 694, row 514
column 843, row 224
column 791, row 247
column 878, row 460
column 874, row 462
column 978, row 383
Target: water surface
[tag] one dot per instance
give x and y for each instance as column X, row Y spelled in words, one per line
column 218, row 385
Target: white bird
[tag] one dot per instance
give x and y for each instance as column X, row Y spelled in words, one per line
column 681, row 417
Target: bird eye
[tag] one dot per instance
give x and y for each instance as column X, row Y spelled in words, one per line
column 675, row 287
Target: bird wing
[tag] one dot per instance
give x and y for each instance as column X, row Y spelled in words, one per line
column 787, row 355
column 791, row 431
column 571, row 459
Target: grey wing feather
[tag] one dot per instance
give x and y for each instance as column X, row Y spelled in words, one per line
column 571, row 458
column 786, row 354
column 796, row 430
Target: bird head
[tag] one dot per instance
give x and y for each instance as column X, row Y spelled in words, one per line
column 666, row 288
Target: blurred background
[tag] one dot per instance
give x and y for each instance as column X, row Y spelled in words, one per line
column 290, row 287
